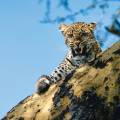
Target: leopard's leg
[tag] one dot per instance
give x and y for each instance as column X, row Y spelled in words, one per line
column 65, row 68
column 91, row 57
column 43, row 84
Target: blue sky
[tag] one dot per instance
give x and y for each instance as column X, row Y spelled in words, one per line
column 27, row 49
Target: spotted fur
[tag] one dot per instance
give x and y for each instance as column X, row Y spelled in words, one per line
column 83, row 48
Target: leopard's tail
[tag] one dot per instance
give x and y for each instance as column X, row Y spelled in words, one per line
column 43, row 84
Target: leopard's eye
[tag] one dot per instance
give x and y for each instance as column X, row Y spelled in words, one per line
column 85, row 33
column 70, row 35
column 77, row 36
column 77, row 41
column 80, row 30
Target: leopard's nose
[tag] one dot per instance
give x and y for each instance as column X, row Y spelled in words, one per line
column 71, row 40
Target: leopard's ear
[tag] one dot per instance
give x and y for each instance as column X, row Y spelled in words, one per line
column 63, row 27
column 92, row 26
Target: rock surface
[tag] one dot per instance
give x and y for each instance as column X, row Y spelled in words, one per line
column 92, row 93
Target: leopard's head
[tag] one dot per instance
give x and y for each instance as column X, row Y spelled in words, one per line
column 76, row 33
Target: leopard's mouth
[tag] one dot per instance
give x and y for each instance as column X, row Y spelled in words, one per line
column 71, row 45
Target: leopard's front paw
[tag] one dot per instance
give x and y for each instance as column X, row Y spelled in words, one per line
column 42, row 84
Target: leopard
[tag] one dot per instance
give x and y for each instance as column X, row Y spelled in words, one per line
column 82, row 49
